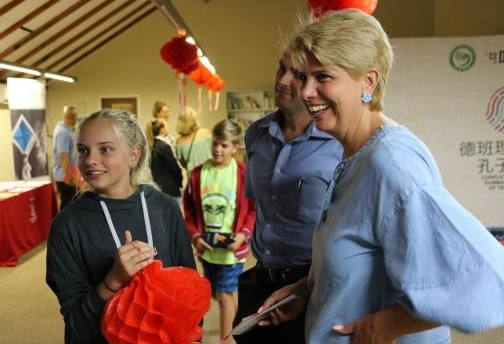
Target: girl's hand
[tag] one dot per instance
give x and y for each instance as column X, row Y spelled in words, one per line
column 130, row 258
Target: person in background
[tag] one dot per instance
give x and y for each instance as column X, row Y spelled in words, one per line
column 290, row 165
column 64, row 157
column 220, row 219
column 161, row 110
column 396, row 255
column 165, row 170
column 193, row 145
column 91, row 251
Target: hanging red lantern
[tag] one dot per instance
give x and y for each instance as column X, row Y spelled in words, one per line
column 160, row 305
column 200, row 75
column 211, row 81
column 217, row 84
column 320, row 7
column 180, row 55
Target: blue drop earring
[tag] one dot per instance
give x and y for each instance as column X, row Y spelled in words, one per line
column 366, row 97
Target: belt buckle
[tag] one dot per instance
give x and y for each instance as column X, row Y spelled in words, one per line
column 277, row 275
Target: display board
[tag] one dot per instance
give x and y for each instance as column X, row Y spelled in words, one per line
column 450, row 93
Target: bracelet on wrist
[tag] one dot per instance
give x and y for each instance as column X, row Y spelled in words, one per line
column 110, row 289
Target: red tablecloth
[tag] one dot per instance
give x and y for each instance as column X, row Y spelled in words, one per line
column 26, row 211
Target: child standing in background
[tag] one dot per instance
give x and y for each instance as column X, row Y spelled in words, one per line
column 86, row 262
column 220, row 219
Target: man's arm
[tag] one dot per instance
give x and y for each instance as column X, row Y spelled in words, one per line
column 65, row 165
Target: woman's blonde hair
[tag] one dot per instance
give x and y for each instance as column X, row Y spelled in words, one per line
column 153, row 129
column 127, row 129
column 187, row 122
column 350, row 39
column 158, row 105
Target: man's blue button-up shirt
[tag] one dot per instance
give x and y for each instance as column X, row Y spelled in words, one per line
column 288, row 180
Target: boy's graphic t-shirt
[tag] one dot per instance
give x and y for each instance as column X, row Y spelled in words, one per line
column 218, row 201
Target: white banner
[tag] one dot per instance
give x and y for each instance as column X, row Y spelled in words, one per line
column 26, row 99
column 450, row 93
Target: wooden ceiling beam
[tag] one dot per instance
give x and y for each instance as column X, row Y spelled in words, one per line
column 27, row 18
column 42, row 29
column 108, row 39
column 7, row 7
column 82, row 33
column 81, row 20
column 117, row 23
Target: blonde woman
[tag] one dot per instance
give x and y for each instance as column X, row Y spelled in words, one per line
column 396, row 255
column 193, row 145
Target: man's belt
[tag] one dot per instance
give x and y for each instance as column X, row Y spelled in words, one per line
column 282, row 275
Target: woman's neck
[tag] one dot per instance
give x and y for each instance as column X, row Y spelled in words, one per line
column 363, row 132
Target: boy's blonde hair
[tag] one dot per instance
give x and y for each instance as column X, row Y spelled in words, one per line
column 228, row 129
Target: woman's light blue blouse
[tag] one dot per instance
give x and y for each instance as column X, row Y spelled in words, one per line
column 394, row 234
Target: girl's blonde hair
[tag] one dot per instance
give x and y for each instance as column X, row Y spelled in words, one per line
column 187, row 122
column 350, row 39
column 127, row 129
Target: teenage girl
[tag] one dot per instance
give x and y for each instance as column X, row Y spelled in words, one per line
column 98, row 243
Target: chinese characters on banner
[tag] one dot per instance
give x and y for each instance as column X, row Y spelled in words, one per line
column 489, row 161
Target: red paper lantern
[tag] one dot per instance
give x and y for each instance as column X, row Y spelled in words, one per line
column 180, row 55
column 200, row 75
column 217, row 84
column 160, row 305
column 211, row 81
column 320, row 7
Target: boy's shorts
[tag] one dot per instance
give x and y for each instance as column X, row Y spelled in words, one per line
column 223, row 278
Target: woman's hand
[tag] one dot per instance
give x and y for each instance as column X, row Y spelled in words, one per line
column 289, row 311
column 130, row 258
column 384, row 326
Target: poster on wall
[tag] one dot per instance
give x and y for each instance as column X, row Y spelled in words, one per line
column 450, row 92
column 26, row 99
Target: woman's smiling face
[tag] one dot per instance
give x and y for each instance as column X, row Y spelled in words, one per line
column 331, row 95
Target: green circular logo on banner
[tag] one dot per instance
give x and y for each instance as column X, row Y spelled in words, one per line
column 462, row 58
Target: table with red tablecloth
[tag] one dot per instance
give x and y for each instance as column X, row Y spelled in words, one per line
column 26, row 211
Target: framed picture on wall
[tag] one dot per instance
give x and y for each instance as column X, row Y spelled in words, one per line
column 129, row 104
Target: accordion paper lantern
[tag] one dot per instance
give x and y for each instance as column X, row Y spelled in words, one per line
column 160, row 305
column 320, row 7
column 200, row 75
column 180, row 55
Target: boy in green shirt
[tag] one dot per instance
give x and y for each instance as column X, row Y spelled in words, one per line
column 220, row 219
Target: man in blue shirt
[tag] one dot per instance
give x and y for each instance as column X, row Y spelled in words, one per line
column 290, row 165
column 63, row 156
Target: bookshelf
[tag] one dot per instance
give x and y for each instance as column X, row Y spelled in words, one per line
column 247, row 106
